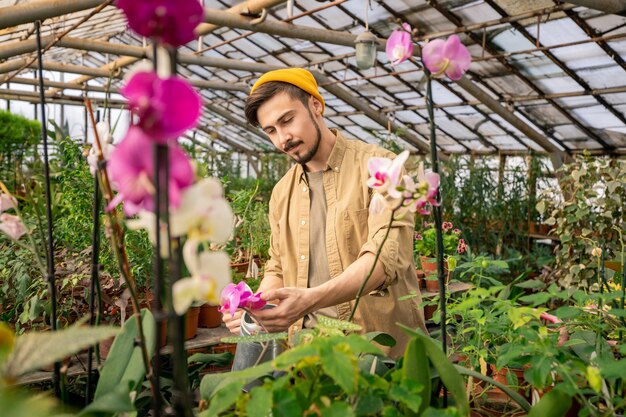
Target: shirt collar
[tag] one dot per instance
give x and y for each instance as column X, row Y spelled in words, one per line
column 334, row 159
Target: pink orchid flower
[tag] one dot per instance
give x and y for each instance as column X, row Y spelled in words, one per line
column 131, row 170
column 7, row 202
column 166, row 107
column 12, row 226
column 399, row 45
column 428, row 187
column 168, row 21
column 240, row 296
column 448, row 57
column 385, row 174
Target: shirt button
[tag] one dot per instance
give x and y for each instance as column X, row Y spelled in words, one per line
column 302, row 257
column 303, row 222
column 336, row 169
column 304, row 189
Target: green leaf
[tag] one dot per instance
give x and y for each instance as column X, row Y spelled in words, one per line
column 341, row 367
column 259, row 337
column 415, row 367
column 614, row 369
column 212, row 383
column 359, row 345
column 114, row 401
column 536, row 299
column 369, row 404
column 37, row 349
column 338, row 409
column 407, row 394
column 286, row 404
column 447, row 372
column 384, row 339
column 618, row 312
column 260, row 403
column 217, row 359
column 553, row 404
column 224, row 398
column 533, row 283
column 567, row 312
column 295, row 355
column 124, row 366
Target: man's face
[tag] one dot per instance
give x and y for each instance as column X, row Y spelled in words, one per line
column 291, row 126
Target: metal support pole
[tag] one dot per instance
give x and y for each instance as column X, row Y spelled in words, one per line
column 438, row 223
column 46, row 167
column 95, row 283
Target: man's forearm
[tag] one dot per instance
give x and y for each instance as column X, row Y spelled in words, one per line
column 270, row 282
column 344, row 287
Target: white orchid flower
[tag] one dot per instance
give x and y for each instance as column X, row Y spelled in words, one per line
column 210, row 273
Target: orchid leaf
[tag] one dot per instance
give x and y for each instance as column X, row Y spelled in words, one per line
column 35, row 350
column 447, row 372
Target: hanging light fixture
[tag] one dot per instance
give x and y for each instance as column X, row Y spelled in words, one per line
column 366, row 44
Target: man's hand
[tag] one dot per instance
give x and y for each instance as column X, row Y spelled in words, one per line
column 233, row 322
column 294, row 303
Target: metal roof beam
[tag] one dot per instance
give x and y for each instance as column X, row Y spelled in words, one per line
column 608, row 6
column 40, row 10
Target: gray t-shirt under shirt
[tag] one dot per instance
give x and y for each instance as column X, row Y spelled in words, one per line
column 318, row 260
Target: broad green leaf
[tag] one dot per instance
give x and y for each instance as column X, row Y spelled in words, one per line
column 384, row 339
column 212, row 383
column 37, row 349
column 449, row 375
column 224, row 399
column 218, row 359
column 532, row 283
column 341, row 367
column 114, row 401
column 407, row 394
column 16, row 403
column 286, row 404
column 618, row 312
column 614, row 369
column 369, row 403
column 338, row 409
column 260, row 403
column 567, row 312
column 553, row 404
column 359, row 345
column 416, row 367
column 536, row 299
column 125, row 366
column 295, row 355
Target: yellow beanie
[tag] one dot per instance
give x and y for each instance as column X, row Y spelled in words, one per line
column 296, row 76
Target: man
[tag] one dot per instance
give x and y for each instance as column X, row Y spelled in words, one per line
column 323, row 237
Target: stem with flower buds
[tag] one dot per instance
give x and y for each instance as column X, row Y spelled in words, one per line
column 119, row 250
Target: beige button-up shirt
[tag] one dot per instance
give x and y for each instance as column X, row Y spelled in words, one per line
column 351, row 231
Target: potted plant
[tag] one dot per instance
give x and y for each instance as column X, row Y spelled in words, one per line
column 426, row 248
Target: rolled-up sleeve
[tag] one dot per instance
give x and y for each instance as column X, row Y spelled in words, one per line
column 397, row 251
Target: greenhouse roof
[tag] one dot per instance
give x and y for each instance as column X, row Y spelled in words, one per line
column 546, row 76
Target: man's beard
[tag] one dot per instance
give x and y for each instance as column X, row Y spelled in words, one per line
column 311, row 152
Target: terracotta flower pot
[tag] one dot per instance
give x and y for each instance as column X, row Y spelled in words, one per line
column 500, row 376
column 191, row 322
column 209, row 317
column 429, row 265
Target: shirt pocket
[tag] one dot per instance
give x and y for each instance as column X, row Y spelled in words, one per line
column 354, row 233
